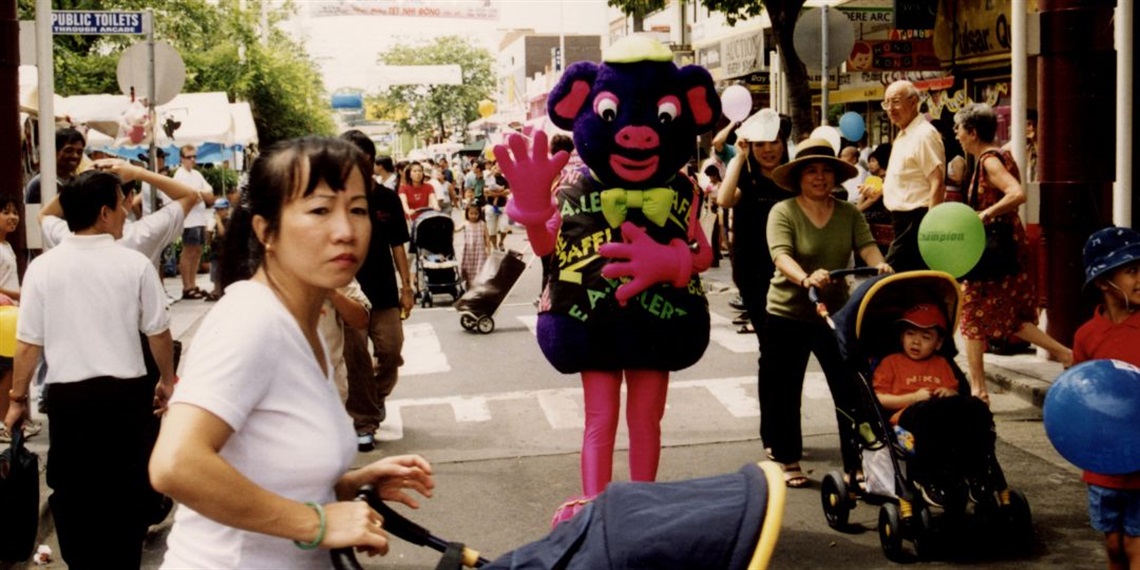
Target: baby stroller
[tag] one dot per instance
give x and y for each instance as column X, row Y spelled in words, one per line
column 437, row 269
column 866, row 329
column 727, row 521
column 498, row 276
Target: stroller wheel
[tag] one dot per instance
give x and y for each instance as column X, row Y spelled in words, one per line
column 1020, row 521
column 833, row 495
column 467, row 320
column 890, row 532
column 920, row 529
column 485, row 325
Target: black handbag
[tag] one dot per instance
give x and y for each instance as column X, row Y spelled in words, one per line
column 19, row 499
column 999, row 258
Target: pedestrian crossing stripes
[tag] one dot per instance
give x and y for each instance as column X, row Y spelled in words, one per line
column 562, row 408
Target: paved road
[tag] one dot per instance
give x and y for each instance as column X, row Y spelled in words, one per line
column 502, row 429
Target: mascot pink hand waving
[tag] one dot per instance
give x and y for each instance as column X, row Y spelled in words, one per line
column 624, row 301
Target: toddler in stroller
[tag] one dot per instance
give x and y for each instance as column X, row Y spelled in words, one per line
column 952, row 433
column 926, row 442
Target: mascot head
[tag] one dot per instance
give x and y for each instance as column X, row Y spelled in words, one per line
column 635, row 115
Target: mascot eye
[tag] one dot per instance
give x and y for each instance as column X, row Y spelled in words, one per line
column 606, row 106
column 667, row 110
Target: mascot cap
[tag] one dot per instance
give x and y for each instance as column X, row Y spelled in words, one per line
column 638, row 47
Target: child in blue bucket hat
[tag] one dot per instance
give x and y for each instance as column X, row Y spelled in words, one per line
column 1112, row 265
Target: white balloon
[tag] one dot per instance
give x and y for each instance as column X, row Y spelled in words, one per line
column 736, row 103
column 829, row 134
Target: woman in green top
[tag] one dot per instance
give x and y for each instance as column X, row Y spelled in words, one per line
column 809, row 235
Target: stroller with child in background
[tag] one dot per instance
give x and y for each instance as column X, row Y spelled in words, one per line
column 867, row 331
column 433, row 245
column 729, row 521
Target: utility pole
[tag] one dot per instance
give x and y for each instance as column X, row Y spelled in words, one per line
column 10, row 117
column 1076, row 75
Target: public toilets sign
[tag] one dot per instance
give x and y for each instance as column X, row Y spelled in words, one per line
column 97, row 22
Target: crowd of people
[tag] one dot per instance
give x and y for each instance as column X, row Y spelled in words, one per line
column 312, row 259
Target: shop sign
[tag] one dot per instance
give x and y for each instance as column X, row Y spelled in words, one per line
column 759, row 82
column 893, row 55
column 983, row 29
column 869, row 22
column 742, row 54
column 708, row 57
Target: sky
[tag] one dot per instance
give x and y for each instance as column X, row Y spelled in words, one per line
column 346, row 46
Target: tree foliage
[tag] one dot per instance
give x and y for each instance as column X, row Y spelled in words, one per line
column 783, row 15
column 219, row 43
column 434, row 111
column 637, row 9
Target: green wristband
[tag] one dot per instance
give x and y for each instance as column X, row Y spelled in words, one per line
column 320, row 533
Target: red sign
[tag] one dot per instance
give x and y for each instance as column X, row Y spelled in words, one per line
column 893, row 55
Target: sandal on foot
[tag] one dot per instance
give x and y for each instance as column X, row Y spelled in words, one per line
column 745, row 329
column 568, row 509
column 194, row 293
column 794, row 476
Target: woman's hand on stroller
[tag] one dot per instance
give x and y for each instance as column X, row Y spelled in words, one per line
column 818, row 279
column 392, row 477
column 884, row 268
column 354, row 524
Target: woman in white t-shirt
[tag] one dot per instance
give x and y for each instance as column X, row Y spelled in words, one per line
column 256, row 445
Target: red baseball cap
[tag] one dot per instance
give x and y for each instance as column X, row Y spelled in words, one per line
column 924, row 316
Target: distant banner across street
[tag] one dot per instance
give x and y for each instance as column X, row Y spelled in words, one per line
column 461, row 9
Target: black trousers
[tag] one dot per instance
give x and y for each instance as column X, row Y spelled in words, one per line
column 786, row 347
column 102, row 433
column 953, row 437
column 903, row 254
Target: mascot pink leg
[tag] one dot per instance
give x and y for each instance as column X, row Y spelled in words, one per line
column 645, row 406
column 602, row 396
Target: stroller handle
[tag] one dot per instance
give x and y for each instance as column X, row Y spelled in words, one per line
column 401, row 526
column 813, row 292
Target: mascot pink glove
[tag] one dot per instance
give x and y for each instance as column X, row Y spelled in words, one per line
column 532, row 174
column 648, row 262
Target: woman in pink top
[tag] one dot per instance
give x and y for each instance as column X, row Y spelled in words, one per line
column 416, row 193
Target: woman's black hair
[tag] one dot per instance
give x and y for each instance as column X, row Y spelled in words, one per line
column 286, row 171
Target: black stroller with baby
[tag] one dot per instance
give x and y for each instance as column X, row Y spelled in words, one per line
column 729, row 522
column 433, row 245
column 867, row 331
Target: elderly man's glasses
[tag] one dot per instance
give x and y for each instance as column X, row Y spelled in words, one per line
column 894, row 102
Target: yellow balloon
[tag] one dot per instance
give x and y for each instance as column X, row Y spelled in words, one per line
column 8, row 316
column 486, row 108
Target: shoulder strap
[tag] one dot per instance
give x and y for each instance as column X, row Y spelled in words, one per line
column 979, row 170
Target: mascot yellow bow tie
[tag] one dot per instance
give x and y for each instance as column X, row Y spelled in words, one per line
column 654, row 203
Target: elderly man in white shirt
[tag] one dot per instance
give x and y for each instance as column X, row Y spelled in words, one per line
column 85, row 303
column 915, row 179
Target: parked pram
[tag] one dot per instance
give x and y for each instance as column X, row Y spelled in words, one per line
column 498, row 276
column 866, row 329
column 727, row 521
column 433, row 245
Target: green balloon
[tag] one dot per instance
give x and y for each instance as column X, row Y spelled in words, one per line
column 951, row 238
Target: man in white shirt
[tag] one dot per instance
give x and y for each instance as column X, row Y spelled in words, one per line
column 84, row 304
column 915, row 180
column 850, row 155
column 149, row 235
column 194, row 229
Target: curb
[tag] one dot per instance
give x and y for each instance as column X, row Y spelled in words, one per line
column 1031, row 390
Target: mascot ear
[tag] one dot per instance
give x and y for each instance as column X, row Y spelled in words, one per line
column 701, row 97
column 569, row 96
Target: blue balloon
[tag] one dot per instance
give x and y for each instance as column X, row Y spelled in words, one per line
column 851, row 125
column 1092, row 416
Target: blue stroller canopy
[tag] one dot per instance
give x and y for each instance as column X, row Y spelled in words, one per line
column 714, row 522
column 865, row 325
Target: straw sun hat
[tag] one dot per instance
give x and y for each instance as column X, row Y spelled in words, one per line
column 808, row 151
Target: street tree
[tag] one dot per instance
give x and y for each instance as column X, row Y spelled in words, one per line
column 219, row 41
column 432, row 111
column 637, row 10
column 783, row 15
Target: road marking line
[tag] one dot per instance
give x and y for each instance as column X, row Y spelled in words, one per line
column 723, row 332
column 562, row 409
column 422, row 352
column 531, row 322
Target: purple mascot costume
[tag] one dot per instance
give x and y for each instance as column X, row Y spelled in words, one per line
column 624, row 300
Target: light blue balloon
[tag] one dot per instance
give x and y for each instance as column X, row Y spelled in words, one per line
column 1092, row 416
column 851, row 125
